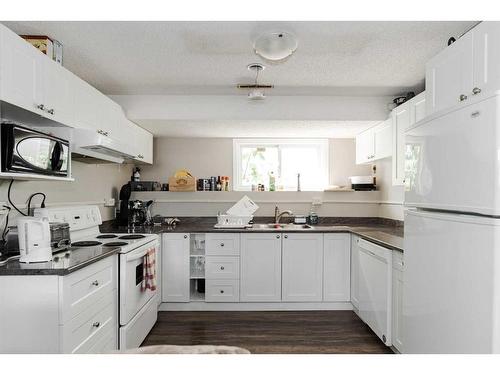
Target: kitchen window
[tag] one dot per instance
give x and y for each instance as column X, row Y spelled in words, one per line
column 255, row 160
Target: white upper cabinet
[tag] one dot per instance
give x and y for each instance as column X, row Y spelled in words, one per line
column 31, row 80
column 260, row 276
column 401, row 121
column 139, row 140
column 404, row 116
column 302, row 267
column 448, row 75
column 144, row 142
column 336, row 267
column 486, row 57
column 382, row 135
column 365, row 147
column 374, row 143
column 20, row 72
column 57, row 92
column 465, row 69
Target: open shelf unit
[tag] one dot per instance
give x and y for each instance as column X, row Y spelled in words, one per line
column 197, row 267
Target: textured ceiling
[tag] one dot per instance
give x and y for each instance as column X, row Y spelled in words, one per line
column 339, row 58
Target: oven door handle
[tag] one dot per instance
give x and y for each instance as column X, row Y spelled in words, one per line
column 135, row 257
column 140, row 253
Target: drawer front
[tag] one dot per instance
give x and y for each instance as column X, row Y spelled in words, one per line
column 94, row 329
column 222, row 267
column 222, row 244
column 84, row 288
column 222, row 291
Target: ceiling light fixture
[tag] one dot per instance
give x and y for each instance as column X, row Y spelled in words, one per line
column 276, row 46
column 256, row 90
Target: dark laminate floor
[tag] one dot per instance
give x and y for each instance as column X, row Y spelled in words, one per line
column 268, row 331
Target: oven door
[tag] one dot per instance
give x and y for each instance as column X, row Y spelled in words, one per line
column 29, row 151
column 132, row 299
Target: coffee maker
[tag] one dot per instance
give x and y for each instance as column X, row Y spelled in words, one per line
column 138, row 213
column 123, row 215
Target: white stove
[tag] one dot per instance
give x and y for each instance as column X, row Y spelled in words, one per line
column 138, row 310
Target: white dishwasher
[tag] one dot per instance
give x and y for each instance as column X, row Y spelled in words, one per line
column 375, row 288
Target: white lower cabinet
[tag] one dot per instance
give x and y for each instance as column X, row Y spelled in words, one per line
column 76, row 313
column 336, row 267
column 260, row 276
column 397, row 300
column 355, row 272
column 302, row 267
column 221, row 290
column 175, row 267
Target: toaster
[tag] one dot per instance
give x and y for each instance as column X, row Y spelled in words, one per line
column 59, row 236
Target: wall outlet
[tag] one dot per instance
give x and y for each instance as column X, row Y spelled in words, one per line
column 317, row 201
column 3, row 210
column 109, row 202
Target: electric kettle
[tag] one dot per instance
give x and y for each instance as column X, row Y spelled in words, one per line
column 34, row 239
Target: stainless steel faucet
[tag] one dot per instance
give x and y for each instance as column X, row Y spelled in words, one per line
column 278, row 215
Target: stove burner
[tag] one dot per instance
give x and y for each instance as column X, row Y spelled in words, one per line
column 131, row 237
column 85, row 243
column 115, row 243
column 107, row 236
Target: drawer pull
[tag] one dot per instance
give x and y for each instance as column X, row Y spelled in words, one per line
column 95, row 283
column 96, row 324
column 185, row 236
column 222, row 244
column 286, row 235
column 221, row 292
column 462, row 97
column 222, row 268
column 476, row 90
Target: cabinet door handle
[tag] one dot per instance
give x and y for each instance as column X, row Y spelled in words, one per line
column 462, row 97
column 96, row 324
column 278, row 236
column 185, row 236
column 222, row 244
column 51, row 111
column 222, row 268
column 41, row 107
column 140, row 156
column 476, row 90
column 475, row 114
column 286, row 235
column 95, row 283
column 221, row 292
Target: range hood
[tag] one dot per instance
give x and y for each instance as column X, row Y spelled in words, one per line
column 91, row 147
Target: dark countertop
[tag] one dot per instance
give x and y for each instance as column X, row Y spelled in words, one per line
column 63, row 263
column 384, row 232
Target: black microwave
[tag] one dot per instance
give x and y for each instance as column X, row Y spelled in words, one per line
column 28, row 151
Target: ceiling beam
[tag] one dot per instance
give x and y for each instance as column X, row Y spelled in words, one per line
column 238, row 107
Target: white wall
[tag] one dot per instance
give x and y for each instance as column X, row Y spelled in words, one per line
column 93, row 184
column 205, row 157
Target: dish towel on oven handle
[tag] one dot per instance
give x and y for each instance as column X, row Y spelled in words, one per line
column 149, row 271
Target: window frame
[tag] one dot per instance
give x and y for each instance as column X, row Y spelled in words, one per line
column 238, row 143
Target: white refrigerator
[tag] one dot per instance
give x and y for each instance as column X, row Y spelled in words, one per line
column 451, row 300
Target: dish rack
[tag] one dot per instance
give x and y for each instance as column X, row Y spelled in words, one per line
column 233, row 221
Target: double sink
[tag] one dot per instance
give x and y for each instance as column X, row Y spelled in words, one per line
column 293, row 227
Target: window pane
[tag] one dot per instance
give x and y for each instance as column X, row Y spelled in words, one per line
column 257, row 163
column 305, row 160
